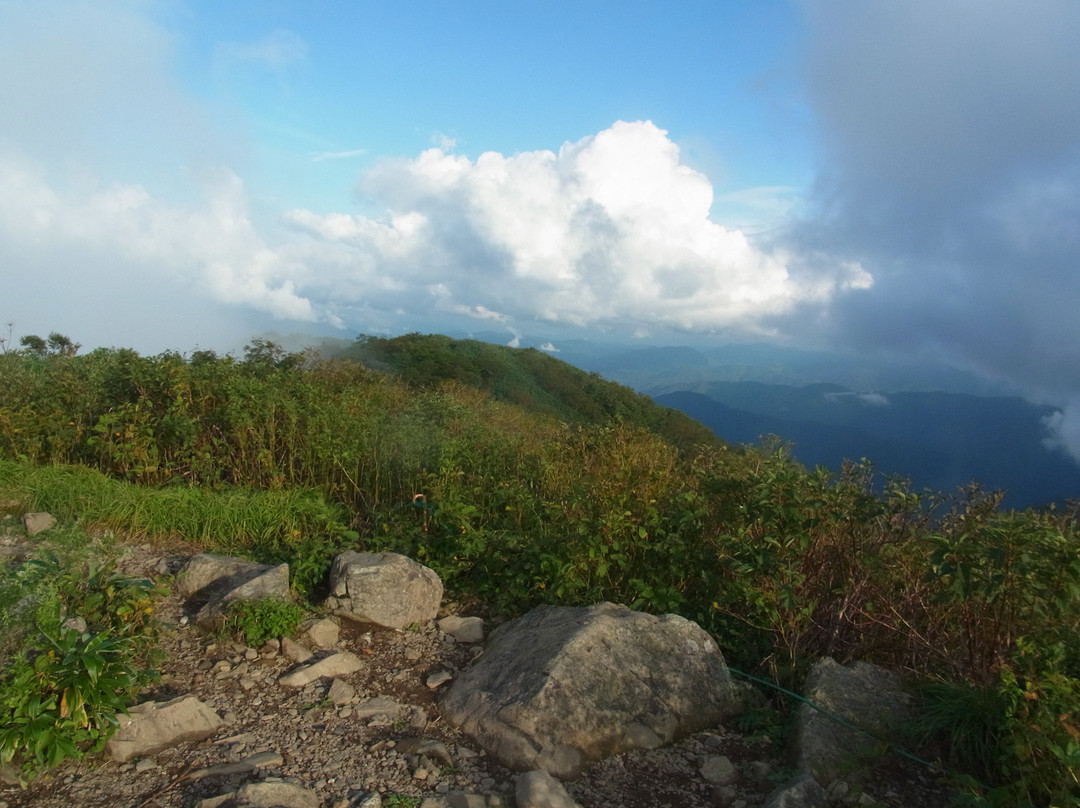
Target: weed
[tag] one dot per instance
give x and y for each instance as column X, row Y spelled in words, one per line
column 258, row 621
column 395, row 800
column 61, row 688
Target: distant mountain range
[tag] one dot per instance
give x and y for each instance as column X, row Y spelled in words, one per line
column 937, row 440
column 938, row 426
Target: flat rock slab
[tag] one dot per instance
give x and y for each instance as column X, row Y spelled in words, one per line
column 387, row 589
column 562, row 687
column 151, row 727
column 380, row 705
column 260, row 760
column 270, row 793
column 339, row 664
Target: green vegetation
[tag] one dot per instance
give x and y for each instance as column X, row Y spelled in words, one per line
column 543, row 484
column 63, row 685
column 258, row 621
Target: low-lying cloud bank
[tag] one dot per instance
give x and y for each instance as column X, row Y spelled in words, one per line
column 950, row 169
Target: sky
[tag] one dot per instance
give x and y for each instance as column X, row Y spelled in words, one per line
column 880, row 177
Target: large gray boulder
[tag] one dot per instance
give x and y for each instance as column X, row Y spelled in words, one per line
column 212, row 583
column 562, row 687
column 867, row 697
column 387, row 589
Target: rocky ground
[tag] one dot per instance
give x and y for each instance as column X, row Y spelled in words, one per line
column 345, row 746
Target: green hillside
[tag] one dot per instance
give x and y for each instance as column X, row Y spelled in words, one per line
column 541, row 484
column 526, row 377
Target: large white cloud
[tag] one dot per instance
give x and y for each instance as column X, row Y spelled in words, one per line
column 611, row 230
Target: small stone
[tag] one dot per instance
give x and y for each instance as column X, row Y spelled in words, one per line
column 322, row 633
column 725, row 795
column 760, row 769
column 427, row 747
column 439, row 678
column 459, row 799
column 538, row 789
column 38, row 523
column 295, row 651
column 719, row 769
column 463, row 629
column 341, row 692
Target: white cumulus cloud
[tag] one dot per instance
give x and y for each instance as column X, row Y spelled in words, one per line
column 611, row 230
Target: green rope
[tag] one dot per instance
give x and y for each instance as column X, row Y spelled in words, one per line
column 839, row 719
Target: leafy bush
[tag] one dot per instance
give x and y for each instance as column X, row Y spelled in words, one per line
column 60, row 688
column 61, row 699
column 258, row 621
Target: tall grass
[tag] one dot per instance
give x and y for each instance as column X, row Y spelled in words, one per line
column 232, row 520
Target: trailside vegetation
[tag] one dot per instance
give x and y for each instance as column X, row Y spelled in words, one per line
column 542, row 484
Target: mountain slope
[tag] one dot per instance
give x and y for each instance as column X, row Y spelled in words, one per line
column 526, row 377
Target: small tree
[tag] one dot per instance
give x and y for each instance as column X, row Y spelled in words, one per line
column 33, row 344
column 61, row 345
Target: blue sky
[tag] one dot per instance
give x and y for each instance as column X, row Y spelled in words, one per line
column 892, row 177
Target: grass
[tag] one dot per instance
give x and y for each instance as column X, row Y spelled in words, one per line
column 965, row 724
column 228, row 520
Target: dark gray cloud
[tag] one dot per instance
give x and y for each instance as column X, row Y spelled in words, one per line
column 950, row 142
